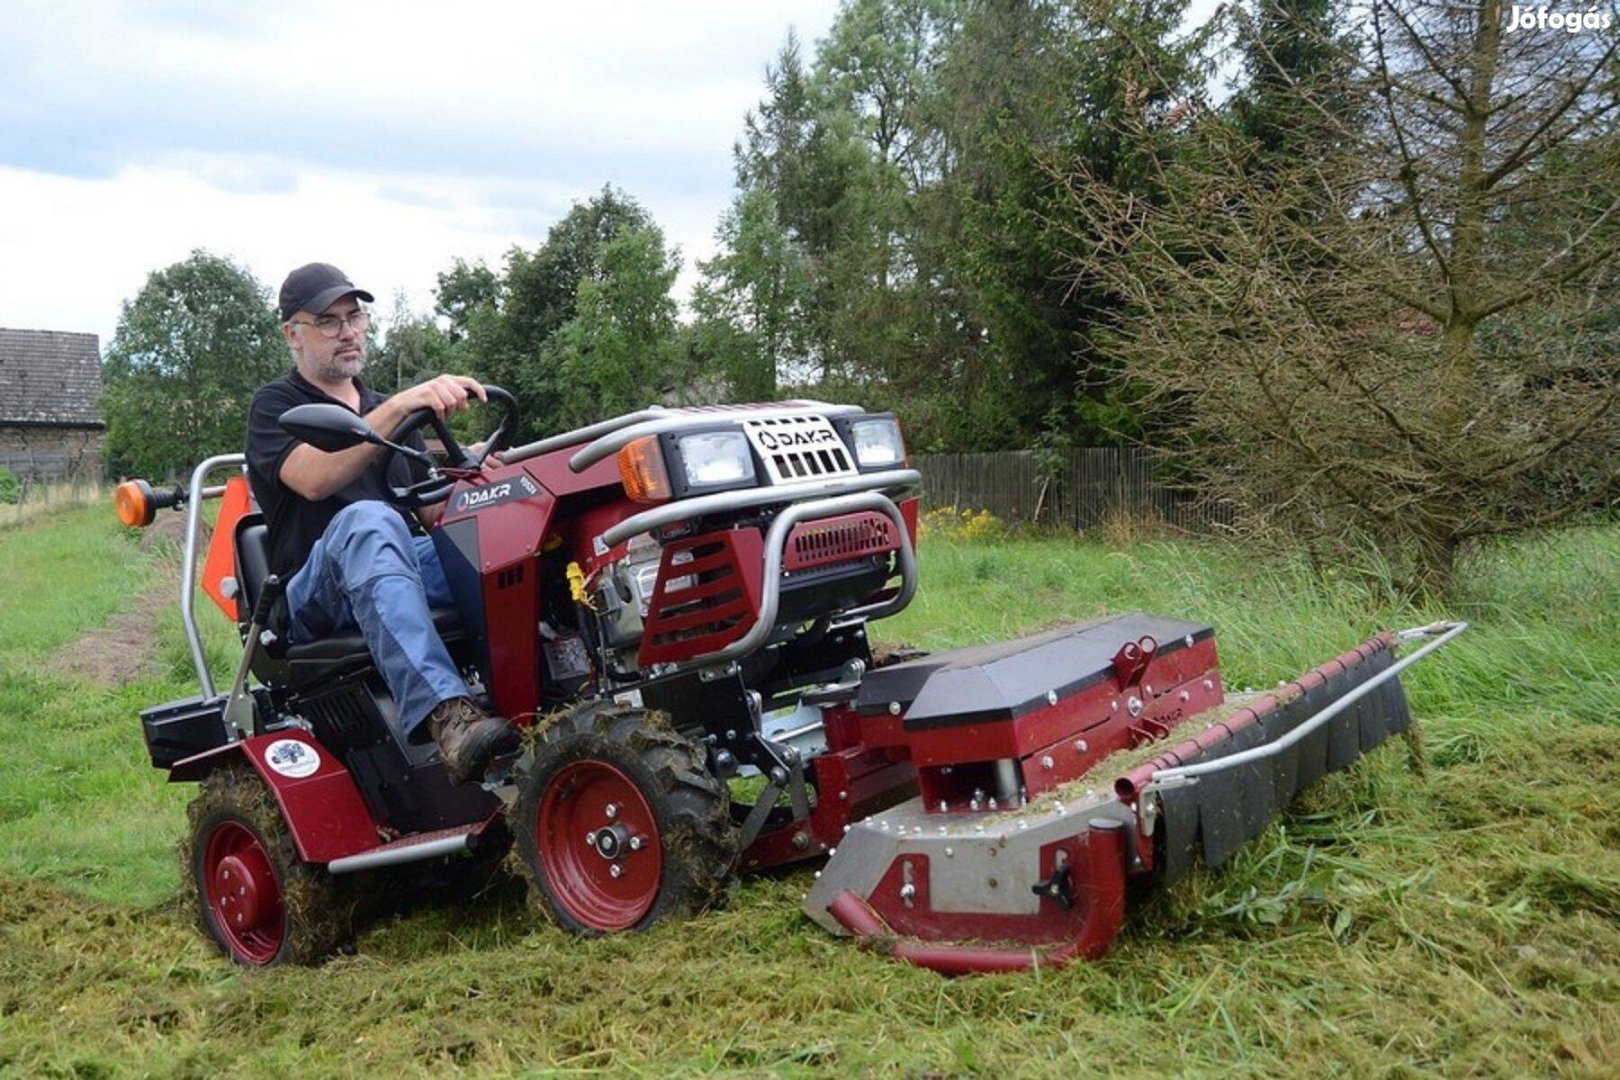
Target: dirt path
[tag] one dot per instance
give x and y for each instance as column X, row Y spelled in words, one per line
column 127, row 647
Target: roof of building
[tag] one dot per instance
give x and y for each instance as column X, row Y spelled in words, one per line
column 49, row 377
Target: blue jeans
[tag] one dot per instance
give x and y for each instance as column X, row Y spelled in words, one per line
column 368, row 571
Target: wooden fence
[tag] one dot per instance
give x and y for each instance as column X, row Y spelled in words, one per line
column 1087, row 487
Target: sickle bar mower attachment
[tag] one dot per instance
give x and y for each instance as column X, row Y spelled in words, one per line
column 1054, row 768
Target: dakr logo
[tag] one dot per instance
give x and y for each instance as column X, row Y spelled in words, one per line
column 506, row 491
column 789, row 440
column 1572, row 22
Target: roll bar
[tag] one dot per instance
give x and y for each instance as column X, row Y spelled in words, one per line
column 188, row 566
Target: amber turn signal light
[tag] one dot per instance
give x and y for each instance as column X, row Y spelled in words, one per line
column 133, row 499
column 641, row 467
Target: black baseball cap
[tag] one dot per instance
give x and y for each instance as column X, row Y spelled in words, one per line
column 316, row 287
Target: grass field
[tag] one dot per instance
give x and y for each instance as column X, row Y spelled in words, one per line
column 1458, row 918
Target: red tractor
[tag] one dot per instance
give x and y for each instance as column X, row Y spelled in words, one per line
column 673, row 604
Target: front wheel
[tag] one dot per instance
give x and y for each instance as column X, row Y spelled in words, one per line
column 247, row 888
column 619, row 823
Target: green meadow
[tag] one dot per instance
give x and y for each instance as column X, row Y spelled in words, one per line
column 1451, row 906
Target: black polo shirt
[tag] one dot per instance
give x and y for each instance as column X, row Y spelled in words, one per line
column 295, row 522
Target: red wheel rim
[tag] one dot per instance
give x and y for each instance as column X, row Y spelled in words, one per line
column 243, row 895
column 599, row 846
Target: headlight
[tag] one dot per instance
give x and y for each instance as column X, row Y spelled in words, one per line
column 877, row 442
column 715, row 458
column 672, row 466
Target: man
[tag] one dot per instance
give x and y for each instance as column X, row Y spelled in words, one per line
column 349, row 557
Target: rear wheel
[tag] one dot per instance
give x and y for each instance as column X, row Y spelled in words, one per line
column 247, row 888
column 619, row 822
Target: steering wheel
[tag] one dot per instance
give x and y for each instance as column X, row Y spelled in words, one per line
column 456, row 458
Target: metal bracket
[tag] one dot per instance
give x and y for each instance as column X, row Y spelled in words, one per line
column 239, row 706
column 1059, row 887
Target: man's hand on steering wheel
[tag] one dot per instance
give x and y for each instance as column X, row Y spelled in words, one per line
column 444, row 394
column 452, row 393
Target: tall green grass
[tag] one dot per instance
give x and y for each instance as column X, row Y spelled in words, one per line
column 1460, row 920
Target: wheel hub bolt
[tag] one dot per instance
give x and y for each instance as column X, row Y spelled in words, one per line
column 612, row 811
column 616, row 870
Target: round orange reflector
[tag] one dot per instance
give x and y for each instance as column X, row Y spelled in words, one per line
column 133, row 499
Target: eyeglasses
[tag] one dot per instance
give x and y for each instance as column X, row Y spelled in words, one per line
column 331, row 326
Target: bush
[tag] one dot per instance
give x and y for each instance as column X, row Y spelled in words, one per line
column 964, row 524
column 10, row 487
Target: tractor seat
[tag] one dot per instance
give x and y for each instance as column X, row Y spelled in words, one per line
column 253, row 566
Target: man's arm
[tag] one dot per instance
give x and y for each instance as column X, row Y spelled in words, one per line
column 316, row 474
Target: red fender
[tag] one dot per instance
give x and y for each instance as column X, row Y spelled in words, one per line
column 319, row 801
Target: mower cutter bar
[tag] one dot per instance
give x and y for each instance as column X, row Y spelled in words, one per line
column 1045, row 882
column 1164, row 779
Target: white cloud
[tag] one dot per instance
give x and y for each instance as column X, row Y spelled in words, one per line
column 387, row 138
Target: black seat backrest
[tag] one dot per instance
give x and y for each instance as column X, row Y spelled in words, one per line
column 252, row 562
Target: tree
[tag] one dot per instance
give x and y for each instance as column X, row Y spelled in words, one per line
column 752, row 304
column 893, row 235
column 413, row 348
column 618, row 352
column 189, row 351
column 1424, row 358
column 465, row 290
column 511, row 319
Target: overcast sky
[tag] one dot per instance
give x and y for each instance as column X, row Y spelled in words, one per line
column 388, row 138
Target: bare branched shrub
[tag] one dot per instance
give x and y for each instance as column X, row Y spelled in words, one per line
column 1406, row 329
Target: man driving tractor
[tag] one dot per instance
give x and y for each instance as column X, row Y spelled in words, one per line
column 349, row 558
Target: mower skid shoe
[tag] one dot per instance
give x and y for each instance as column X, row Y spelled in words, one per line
column 1048, row 882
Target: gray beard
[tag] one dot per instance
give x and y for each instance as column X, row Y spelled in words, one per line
column 335, row 370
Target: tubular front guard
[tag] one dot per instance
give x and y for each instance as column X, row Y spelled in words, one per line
column 1042, row 883
column 774, row 553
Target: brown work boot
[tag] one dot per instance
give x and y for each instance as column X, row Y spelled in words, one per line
column 468, row 738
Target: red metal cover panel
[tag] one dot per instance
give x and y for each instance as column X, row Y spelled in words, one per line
column 707, row 600
column 837, row 539
column 323, row 809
